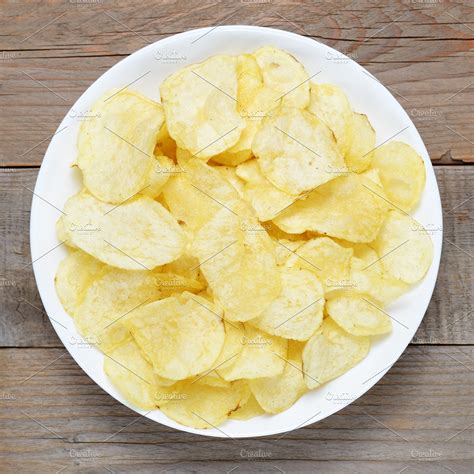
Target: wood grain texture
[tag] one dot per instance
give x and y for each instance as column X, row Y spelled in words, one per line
column 422, row 50
column 449, row 318
column 417, row 418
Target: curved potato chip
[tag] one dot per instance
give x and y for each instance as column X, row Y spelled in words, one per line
column 229, row 174
column 183, row 335
column 326, row 259
column 358, row 316
column 137, row 234
column 362, row 143
column 162, row 168
column 200, row 104
column 75, row 273
column 115, row 147
column 238, row 261
column 343, row 208
column 261, row 355
column 276, row 394
column 298, row 311
column 331, row 105
column 198, row 193
column 402, row 173
column 250, row 409
column 296, row 151
column 284, row 249
column 404, row 247
column 330, row 353
column 201, row 406
column 282, row 73
column 132, row 375
column 108, row 299
column 165, row 145
column 265, row 198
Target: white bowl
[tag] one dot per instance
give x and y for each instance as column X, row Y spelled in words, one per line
column 57, row 181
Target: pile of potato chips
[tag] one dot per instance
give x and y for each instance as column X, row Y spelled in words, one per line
column 235, row 245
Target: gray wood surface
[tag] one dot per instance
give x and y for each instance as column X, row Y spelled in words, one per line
column 418, row 419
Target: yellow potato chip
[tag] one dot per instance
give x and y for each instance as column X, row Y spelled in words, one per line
column 75, row 273
column 331, row 105
column 229, row 173
column 359, row 316
column 198, row 193
column 298, row 311
column 165, row 144
column 162, row 168
column 285, row 248
column 362, row 143
column 402, row 173
column 201, row 406
column 138, row 234
column 238, row 261
column 183, row 335
column 108, row 299
column 261, row 355
column 278, row 393
column 326, row 259
column 115, row 147
column 343, row 208
column 200, row 104
column 132, row 375
column 282, row 73
column 330, row 353
column 296, row 151
column 404, row 247
column 250, row 409
column 265, row 198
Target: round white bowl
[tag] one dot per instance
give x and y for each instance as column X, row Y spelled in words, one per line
column 145, row 70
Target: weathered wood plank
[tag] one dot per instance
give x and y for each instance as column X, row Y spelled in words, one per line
column 449, row 318
column 418, row 418
column 424, row 56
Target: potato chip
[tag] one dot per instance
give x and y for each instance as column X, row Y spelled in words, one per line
column 404, row 247
column 238, row 261
column 284, row 249
column 298, row 311
column 108, row 299
column 330, row 353
column 201, row 406
column 75, row 273
column 359, row 316
column 198, row 193
column 165, row 144
column 132, row 375
column 374, row 176
column 182, row 334
column 200, row 104
column 360, row 149
column 229, row 174
column 402, row 173
column 296, row 151
column 162, row 168
column 261, row 355
column 329, row 261
column 115, row 147
column 265, row 198
column 137, row 234
column 284, row 74
column 330, row 104
column 276, row 394
column 343, row 208
column 250, row 409
column 212, row 378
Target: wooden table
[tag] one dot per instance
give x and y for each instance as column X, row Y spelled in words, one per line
column 418, row 418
